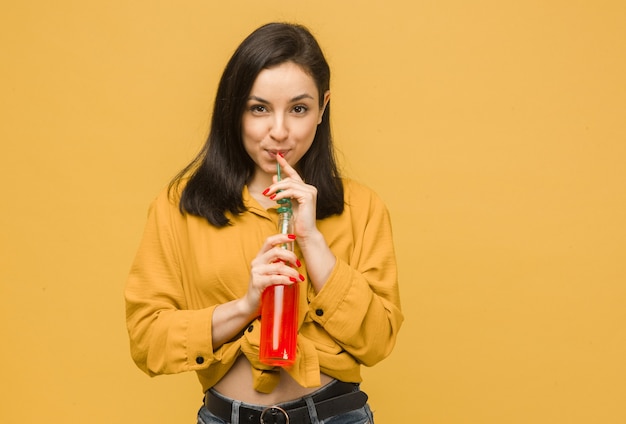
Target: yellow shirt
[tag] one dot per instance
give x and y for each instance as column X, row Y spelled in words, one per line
column 185, row 267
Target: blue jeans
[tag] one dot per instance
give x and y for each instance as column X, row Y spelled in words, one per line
column 362, row 415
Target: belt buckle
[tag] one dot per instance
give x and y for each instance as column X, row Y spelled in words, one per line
column 273, row 410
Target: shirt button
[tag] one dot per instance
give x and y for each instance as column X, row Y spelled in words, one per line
column 250, row 328
column 199, row 360
column 319, row 312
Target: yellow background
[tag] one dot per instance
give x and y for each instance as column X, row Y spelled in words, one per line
column 495, row 131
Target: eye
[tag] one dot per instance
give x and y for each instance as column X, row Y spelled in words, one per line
column 300, row 109
column 258, row 109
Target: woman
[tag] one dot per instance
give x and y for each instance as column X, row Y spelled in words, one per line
column 210, row 248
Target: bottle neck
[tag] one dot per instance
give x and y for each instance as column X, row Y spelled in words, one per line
column 285, row 226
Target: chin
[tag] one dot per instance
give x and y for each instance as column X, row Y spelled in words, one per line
column 267, row 168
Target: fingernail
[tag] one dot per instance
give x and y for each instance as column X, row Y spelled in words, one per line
column 298, row 263
column 291, row 236
column 293, row 280
column 266, row 191
column 301, row 277
column 280, row 154
column 272, row 197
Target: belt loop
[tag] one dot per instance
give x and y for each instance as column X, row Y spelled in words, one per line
column 234, row 417
column 310, row 404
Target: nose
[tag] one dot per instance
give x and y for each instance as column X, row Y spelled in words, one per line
column 279, row 131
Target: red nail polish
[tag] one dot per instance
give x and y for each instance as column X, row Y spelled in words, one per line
column 298, row 263
column 291, row 236
column 265, row 191
column 301, row 277
column 280, row 154
column 273, row 196
column 293, row 280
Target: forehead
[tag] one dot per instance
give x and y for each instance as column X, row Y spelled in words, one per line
column 287, row 78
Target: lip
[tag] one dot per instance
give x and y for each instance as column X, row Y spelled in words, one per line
column 273, row 153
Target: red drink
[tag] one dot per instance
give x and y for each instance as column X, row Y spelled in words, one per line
column 279, row 325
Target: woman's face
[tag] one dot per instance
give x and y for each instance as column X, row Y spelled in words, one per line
column 281, row 116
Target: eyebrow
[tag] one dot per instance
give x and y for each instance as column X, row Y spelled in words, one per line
column 295, row 99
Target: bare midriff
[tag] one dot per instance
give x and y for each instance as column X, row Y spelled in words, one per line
column 237, row 384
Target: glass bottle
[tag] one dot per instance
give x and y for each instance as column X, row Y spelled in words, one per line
column 279, row 310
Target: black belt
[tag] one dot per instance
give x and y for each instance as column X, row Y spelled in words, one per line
column 338, row 398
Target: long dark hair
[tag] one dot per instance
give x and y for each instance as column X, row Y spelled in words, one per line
column 216, row 177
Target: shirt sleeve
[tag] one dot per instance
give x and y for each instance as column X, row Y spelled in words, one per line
column 359, row 306
column 165, row 337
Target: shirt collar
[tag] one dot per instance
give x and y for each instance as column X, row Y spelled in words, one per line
column 255, row 207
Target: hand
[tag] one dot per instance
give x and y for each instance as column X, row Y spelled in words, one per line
column 319, row 259
column 272, row 265
column 303, row 199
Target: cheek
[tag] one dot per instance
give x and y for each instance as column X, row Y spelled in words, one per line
column 250, row 129
column 307, row 132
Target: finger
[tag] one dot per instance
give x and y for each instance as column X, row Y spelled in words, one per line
column 285, row 256
column 276, row 240
column 287, row 169
column 273, row 280
column 277, row 273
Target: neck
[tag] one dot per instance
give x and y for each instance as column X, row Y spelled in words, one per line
column 257, row 185
column 259, row 182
